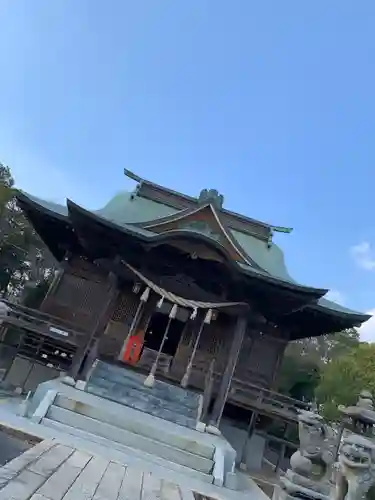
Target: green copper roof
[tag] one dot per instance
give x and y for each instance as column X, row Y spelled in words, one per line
column 271, row 259
column 126, row 209
column 49, row 205
column 328, row 304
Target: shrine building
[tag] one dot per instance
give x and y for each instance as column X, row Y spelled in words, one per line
column 175, row 286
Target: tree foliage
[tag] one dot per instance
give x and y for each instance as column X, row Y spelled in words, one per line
column 23, row 256
column 306, row 360
column 299, row 377
column 345, row 377
column 325, row 348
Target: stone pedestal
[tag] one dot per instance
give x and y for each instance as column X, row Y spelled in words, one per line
column 294, row 485
column 280, row 494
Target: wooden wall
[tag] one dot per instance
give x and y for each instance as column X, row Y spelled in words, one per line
column 79, row 296
column 260, row 358
column 120, row 322
column 83, row 289
column 258, row 362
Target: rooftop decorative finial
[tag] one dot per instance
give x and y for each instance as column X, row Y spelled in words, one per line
column 277, row 229
column 212, row 197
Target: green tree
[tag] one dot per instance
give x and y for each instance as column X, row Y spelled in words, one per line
column 299, row 377
column 324, row 348
column 305, row 360
column 23, row 257
column 14, row 233
column 344, row 377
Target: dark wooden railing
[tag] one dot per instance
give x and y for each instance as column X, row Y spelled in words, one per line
column 42, row 323
column 264, row 400
column 246, row 394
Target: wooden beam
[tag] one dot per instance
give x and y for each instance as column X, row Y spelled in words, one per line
column 221, row 398
column 57, row 278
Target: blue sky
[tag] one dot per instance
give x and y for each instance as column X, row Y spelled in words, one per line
column 270, row 102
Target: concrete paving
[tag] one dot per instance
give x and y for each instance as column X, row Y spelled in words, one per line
column 10, row 419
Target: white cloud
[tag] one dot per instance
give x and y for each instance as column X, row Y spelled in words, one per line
column 335, row 296
column 367, row 330
column 363, row 255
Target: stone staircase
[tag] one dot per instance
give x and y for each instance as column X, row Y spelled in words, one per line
column 163, row 400
column 115, row 411
column 67, row 410
column 98, row 425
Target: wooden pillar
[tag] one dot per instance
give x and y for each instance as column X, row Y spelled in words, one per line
column 249, row 433
column 226, row 380
column 57, row 278
column 208, row 387
column 181, row 356
column 103, row 318
column 276, row 371
column 90, row 356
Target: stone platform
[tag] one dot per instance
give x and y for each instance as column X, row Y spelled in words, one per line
column 122, row 385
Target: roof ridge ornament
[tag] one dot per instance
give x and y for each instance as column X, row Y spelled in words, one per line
column 277, row 229
column 211, row 197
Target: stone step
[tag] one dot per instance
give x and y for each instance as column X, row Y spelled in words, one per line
column 145, row 393
column 168, row 397
column 129, row 439
column 138, row 423
column 131, row 378
column 104, row 443
column 142, row 404
column 125, row 391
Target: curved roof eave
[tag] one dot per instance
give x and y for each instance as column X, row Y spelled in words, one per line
column 39, row 206
column 150, row 237
column 332, row 309
column 61, row 213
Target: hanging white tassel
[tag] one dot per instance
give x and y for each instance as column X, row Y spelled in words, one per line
column 160, row 302
column 145, row 295
column 149, row 380
column 173, row 312
column 208, row 317
column 194, row 313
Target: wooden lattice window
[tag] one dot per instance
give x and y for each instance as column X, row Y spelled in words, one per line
column 126, row 307
column 80, row 293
